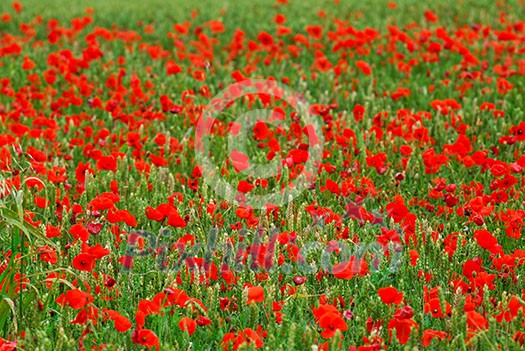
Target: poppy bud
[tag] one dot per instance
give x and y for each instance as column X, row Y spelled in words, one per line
column 400, row 176
column 299, row 280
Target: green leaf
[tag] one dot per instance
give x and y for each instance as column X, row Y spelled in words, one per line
column 11, row 218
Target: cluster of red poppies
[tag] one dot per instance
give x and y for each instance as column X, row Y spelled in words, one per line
column 423, row 149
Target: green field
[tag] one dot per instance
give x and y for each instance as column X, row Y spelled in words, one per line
column 277, row 175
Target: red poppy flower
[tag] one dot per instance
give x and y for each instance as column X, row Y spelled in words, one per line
column 331, row 323
column 433, row 306
column 107, row 163
column 390, row 295
column 79, row 232
column 332, row 186
column 519, row 337
column 84, row 262
column 476, row 321
column 255, row 294
column 240, row 161
column 378, row 161
column 116, row 216
column 175, row 220
column 280, row 18
column 216, row 26
column 430, row 16
column 203, row 321
column 17, row 6
column 102, row 203
column 47, row 254
column 76, row 299
column 265, row 38
column 397, row 211
column 403, row 328
column 89, row 313
column 28, row 64
column 154, row 214
column 247, row 337
column 41, row 202
column 188, row 325
column 348, row 269
column 315, row 32
column 364, row 67
column 260, row 131
column 146, row 338
column 6, row 345
column 242, row 212
column 172, row 68
column 96, row 251
column 358, row 112
column 430, row 334
column 122, row 324
column 52, row 232
column 244, row 186
column 487, row 241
